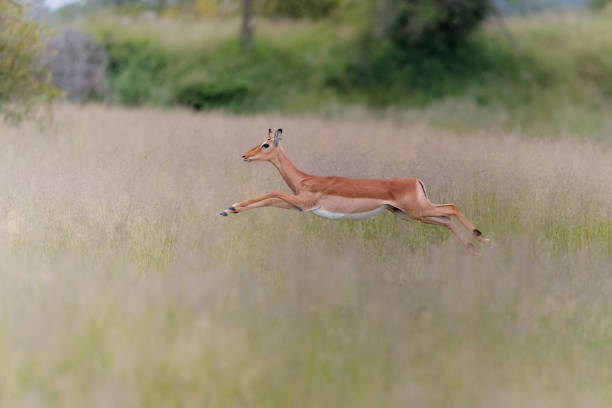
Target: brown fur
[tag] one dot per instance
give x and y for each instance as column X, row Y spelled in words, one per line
column 342, row 195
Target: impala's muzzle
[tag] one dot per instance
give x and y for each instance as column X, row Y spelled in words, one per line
column 247, row 157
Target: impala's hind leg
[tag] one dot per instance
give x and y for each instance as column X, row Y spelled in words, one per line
column 447, row 222
column 444, row 221
column 445, row 210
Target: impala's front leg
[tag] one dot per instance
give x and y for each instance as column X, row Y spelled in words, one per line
column 274, row 199
column 270, row 202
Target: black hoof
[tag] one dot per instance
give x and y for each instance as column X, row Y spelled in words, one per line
column 477, row 233
column 232, row 208
column 223, row 213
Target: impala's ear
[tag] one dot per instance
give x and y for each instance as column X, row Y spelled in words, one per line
column 270, row 134
column 278, row 136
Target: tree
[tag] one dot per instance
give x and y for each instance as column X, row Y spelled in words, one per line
column 24, row 81
column 431, row 24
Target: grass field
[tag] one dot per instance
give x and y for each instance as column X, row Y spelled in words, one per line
column 120, row 285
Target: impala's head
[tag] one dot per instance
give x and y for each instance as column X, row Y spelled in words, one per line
column 267, row 149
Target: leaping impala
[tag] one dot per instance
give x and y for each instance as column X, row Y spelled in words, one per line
column 348, row 198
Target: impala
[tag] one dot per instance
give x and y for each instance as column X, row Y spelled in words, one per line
column 348, row 198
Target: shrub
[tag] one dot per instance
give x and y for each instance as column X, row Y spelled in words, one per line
column 419, row 50
column 143, row 69
column 24, row 81
column 136, row 67
column 199, row 91
column 430, row 24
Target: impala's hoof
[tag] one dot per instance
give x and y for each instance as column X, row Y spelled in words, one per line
column 477, row 233
column 232, row 208
column 224, row 213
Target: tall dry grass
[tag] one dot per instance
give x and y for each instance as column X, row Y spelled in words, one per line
column 122, row 286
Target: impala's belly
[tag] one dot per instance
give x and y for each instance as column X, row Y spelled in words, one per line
column 349, row 216
column 335, row 207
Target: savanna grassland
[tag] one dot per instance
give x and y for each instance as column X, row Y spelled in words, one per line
column 122, row 286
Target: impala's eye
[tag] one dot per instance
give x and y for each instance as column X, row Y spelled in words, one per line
column 265, row 145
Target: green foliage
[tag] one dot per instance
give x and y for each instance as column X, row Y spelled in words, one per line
column 431, row 24
column 314, row 9
column 389, row 74
column 599, row 4
column 199, row 91
column 24, row 81
column 275, row 75
column 135, row 68
column 549, row 76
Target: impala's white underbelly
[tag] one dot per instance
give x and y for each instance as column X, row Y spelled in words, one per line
column 350, row 216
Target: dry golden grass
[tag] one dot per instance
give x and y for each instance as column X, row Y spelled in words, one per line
column 122, row 286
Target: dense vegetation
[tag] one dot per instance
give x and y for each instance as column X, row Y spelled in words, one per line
column 552, row 70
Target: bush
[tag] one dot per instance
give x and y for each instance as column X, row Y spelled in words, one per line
column 285, row 74
column 430, row 24
column 136, row 67
column 199, row 91
column 24, row 81
column 323, row 67
column 419, row 50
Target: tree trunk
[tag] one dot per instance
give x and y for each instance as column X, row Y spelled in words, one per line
column 160, row 5
column 246, row 35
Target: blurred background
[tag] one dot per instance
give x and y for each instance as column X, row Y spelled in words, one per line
column 537, row 66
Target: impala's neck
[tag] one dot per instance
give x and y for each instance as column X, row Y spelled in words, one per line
column 287, row 170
